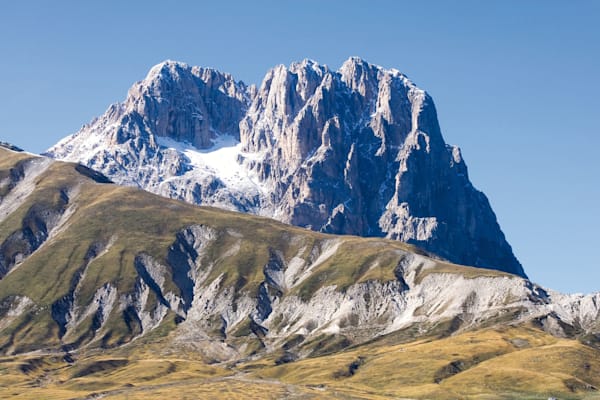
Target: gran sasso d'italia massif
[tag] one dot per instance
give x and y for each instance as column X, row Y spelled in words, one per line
column 113, row 287
column 355, row 151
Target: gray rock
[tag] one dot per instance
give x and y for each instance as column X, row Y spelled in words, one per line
column 355, row 151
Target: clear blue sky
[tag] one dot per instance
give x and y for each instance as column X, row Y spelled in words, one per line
column 516, row 84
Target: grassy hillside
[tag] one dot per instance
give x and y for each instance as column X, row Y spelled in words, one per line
column 81, row 316
column 508, row 362
column 502, row 363
column 126, row 222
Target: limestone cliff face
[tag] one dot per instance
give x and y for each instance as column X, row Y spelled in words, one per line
column 192, row 105
column 354, row 151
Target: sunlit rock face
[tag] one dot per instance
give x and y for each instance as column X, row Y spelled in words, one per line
column 354, row 151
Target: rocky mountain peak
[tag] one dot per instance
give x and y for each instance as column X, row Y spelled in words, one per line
column 165, row 70
column 189, row 104
column 358, row 151
column 361, row 76
column 286, row 111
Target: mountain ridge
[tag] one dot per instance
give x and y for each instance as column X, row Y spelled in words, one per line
column 354, row 151
column 103, row 285
column 200, row 261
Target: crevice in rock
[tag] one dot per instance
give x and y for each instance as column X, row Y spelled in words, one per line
column 63, row 309
column 143, row 270
column 184, row 258
column 400, row 271
column 36, row 226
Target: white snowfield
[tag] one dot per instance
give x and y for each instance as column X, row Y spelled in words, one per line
column 221, row 160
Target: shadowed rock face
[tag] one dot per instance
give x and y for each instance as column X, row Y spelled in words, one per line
column 354, row 151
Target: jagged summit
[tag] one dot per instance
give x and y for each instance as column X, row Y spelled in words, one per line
column 163, row 67
column 354, row 151
column 307, row 62
column 170, row 70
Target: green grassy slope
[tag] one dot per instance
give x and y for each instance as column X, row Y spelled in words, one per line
column 96, row 231
column 128, row 222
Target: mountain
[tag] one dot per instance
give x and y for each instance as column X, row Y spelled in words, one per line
column 107, row 290
column 356, row 151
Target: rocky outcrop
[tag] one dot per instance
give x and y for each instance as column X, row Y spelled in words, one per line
column 184, row 258
column 354, row 151
column 65, row 312
column 37, row 226
column 192, row 105
column 18, row 183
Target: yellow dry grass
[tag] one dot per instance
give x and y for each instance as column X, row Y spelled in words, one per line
column 8, row 158
column 501, row 363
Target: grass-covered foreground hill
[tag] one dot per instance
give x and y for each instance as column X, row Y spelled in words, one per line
column 108, row 290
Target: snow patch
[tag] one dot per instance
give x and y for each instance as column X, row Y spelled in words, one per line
column 221, row 159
